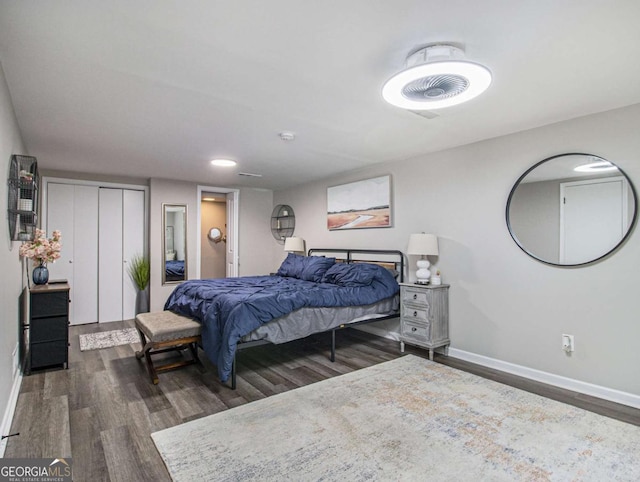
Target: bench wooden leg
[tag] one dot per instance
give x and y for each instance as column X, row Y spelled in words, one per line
column 151, row 348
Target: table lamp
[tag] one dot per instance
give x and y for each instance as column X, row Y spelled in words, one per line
column 294, row 245
column 423, row 245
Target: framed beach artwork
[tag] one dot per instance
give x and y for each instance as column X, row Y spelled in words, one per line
column 361, row 204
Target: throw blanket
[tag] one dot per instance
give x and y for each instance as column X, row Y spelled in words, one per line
column 229, row 308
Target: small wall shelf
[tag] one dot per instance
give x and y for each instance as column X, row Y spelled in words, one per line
column 283, row 222
column 23, row 197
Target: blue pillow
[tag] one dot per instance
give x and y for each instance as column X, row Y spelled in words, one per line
column 292, row 266
column 308, row 268
column 315, row 268
column 355, row 274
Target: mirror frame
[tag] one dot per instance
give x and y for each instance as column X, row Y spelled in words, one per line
column 216, row 239
column 164, row 241
column 605, row 255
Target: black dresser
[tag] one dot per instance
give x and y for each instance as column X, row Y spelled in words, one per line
column 45, row 340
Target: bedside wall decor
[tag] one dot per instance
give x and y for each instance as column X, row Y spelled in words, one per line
column 23, row 197
column 360, row 204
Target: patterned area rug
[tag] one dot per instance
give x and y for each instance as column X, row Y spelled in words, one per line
column 107, row 339
column 407, row 419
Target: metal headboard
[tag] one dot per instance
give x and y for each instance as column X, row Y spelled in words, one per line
column 351, row 256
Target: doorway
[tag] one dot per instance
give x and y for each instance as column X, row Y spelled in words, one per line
column 217, row 239
column 213, row 235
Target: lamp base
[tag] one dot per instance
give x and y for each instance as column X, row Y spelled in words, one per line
column 423, row 274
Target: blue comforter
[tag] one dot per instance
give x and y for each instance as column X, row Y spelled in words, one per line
column 230, row 308
column 174, row 268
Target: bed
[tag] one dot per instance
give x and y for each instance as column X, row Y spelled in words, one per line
column 326, row 291
column 174, row 270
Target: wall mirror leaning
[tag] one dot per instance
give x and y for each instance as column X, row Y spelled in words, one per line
column 174, row 252
column 571, row 209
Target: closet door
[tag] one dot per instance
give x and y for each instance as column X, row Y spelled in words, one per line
column 110, row 255
column 132, row 245
column 85, row 254
column 73, row 209
column 120, row 237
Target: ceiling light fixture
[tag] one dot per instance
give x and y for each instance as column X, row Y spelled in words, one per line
column 223, row 162
column 596, row 166
column 436, row 77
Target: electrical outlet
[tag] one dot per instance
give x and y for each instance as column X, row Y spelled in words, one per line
column 568, row 344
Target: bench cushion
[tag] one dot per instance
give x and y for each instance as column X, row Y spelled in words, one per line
column 165, row 325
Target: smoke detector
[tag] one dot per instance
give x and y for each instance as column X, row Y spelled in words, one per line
column 435, row 77
column 287, row 136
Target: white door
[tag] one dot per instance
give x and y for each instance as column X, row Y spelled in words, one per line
column 120, row 237
column 73, row 210
column 110, row 255
column 231, row 238
column 132, row 245
column 592, row 218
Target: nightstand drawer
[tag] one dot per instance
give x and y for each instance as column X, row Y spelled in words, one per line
column 419, row 331
column 410, row 313
column 415, row 296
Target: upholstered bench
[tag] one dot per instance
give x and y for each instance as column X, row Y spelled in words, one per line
column 164, row 331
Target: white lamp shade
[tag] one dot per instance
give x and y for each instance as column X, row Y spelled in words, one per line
column 423, row 244
column 294, row 245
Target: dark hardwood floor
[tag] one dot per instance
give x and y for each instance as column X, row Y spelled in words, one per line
column 102, row 410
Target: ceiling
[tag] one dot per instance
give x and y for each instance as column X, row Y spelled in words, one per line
column 156, row 88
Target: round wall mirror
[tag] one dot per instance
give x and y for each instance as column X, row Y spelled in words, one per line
column 571, row 209
column 215, row 235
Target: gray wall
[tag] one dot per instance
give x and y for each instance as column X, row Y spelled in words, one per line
column 11, row 281
column 504, row 304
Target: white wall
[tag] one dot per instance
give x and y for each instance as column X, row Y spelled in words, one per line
column 504, row 304
column 11, row 281
column 256, row 241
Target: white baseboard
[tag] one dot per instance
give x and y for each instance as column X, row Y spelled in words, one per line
column 605, row 393
column 5, row 428
column 598, row 391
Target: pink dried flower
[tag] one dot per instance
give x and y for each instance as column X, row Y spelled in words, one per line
column 41, row 249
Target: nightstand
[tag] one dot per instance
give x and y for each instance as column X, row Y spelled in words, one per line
column 45, row 340
column 424, row 316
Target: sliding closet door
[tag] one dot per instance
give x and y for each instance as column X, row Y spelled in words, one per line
column 132, row 245
column 110, row 255
column 73, row 210
column 85, row 255
column 120, row 237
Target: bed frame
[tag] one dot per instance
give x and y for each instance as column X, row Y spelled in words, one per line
column 387, row 258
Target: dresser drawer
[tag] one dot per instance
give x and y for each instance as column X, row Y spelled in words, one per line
column 49, row 304
column 414, row 313
column 48, row 329
column 419, row 331
column 415, row 296
column 49, row 354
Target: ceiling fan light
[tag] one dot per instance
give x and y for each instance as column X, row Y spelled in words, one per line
column 597, row 166
column 435, row 84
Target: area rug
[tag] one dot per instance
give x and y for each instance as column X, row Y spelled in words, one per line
column 406, row 419
column 107, row 339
